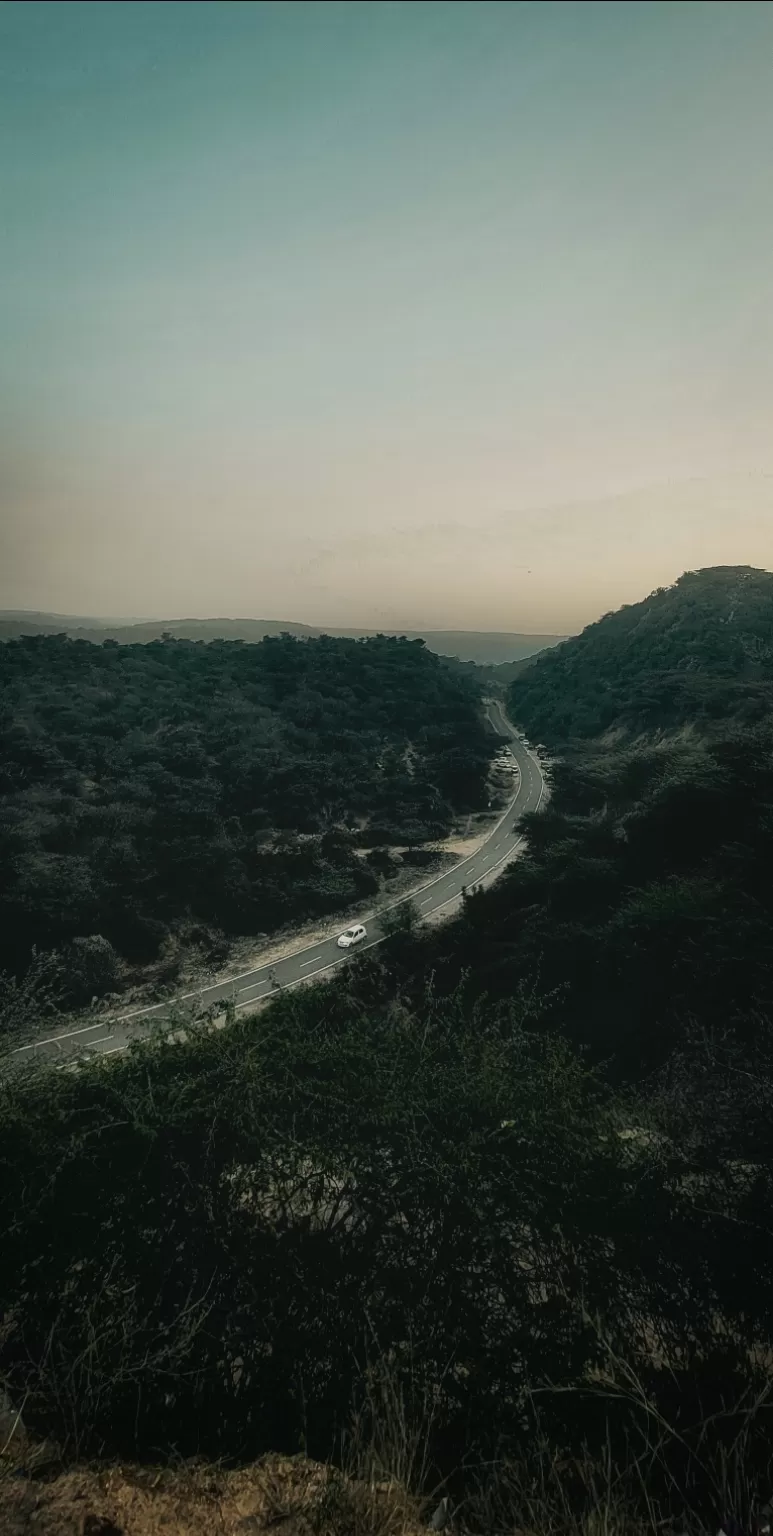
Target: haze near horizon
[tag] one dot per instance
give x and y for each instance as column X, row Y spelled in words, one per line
column 404, row 315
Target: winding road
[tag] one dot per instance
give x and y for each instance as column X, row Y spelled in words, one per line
column 107, row 1035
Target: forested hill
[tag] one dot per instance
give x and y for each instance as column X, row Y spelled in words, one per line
column 226, row 783
column 700, row 651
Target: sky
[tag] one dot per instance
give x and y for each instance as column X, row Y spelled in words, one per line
column 428, row 315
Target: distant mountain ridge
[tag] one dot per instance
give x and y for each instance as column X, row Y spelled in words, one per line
column 698, row 652
column 468, row 645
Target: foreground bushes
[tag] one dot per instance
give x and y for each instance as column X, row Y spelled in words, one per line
column 207, row 1245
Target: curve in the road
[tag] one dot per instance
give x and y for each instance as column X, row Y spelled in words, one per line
column 107, row 1036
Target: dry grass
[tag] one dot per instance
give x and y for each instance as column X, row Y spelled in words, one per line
column 288, row 1495
column 688, row 1478
column 661, row 1479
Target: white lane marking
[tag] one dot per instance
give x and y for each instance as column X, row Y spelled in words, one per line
column 101, row 1040
column 51, row 1039
column 113, row 1049
column 426, row 903
column 311, row 961
column 331, row 966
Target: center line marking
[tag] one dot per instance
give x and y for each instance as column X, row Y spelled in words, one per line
column 311, row 961
column 50, row 1039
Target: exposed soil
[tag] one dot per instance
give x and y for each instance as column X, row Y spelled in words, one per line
column 289, row 1495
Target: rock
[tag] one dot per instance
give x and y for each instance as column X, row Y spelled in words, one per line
column 441, row 1517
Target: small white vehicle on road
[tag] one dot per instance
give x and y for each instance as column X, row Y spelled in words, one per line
column 353, row 935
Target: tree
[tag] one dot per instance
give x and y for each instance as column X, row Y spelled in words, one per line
column 399, row 921
column 90, row 969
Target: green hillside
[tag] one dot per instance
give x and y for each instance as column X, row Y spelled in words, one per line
column 224, row 784
column 699, row 651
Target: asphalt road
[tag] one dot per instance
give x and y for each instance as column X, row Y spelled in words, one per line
column 107, row 1036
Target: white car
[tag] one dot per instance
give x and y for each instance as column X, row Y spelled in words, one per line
column 353, row 935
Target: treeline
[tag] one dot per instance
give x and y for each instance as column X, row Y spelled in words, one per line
column 224, row 785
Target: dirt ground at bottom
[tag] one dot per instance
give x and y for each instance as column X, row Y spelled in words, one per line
column 287, row 1495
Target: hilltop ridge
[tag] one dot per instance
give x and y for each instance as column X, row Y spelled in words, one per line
column 699, row 651
column 468, row 645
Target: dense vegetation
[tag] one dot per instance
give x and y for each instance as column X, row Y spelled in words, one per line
column 523, row 1164
column 644, row 902
column 699, row 652
column 205, row 1248
column 223, row 784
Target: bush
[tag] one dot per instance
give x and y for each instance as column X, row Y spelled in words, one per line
column 380, row 859
column 399, row 920
column 89, row 967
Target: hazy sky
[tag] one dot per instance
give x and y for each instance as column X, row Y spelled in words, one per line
column 406, row 314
